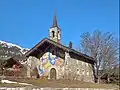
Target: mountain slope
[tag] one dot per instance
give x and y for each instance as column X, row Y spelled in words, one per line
column 9, row 49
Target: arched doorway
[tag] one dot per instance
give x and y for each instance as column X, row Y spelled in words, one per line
column 53, row 73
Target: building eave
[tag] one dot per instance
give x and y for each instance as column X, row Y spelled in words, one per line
column 67, row 49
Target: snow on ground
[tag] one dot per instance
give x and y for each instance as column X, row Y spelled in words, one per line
column 7, row 81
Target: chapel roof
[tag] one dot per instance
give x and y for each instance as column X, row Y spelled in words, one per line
column 58, row 45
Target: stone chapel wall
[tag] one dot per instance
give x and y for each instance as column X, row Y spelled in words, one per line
column 65, row 69
column 45, row 64
column 78, row 70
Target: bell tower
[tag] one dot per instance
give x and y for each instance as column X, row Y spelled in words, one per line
column 55, row 31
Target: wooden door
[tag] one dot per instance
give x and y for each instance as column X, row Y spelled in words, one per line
column 53, row 73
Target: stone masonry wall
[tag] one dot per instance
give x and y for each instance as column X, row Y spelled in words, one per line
column 65, row 69
column 82, row 71
column 45, row 64
column 78, row 70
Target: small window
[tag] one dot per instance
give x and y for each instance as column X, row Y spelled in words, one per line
column 83, row 72
column 53, row 33
column 77, row 71
column 58, row 31
column 87, row 73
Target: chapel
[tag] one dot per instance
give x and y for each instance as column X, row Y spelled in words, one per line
column 53, row 60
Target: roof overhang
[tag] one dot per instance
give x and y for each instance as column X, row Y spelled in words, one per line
column 67, row 49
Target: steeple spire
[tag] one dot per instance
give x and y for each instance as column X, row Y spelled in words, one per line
column 55, row 31
column 55, row 20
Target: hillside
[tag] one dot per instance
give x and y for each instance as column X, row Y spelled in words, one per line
column 9, row 49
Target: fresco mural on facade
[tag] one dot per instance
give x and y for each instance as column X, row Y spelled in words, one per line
column 47, row 61
column 40, row 70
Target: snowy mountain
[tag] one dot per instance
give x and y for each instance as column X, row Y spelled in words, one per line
column 9, row 49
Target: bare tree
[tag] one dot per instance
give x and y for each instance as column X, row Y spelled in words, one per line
column 102, row 47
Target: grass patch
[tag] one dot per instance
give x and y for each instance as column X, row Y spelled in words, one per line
column 65, row 83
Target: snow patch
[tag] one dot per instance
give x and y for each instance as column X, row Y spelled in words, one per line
column 7, row 81
column 9, row 45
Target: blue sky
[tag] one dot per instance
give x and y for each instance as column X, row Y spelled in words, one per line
column 26, row 22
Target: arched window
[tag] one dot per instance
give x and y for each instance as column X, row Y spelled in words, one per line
column 87, row 72
column 77, row 71
column 83, row 72
column 53, row 52
column 53, row 33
